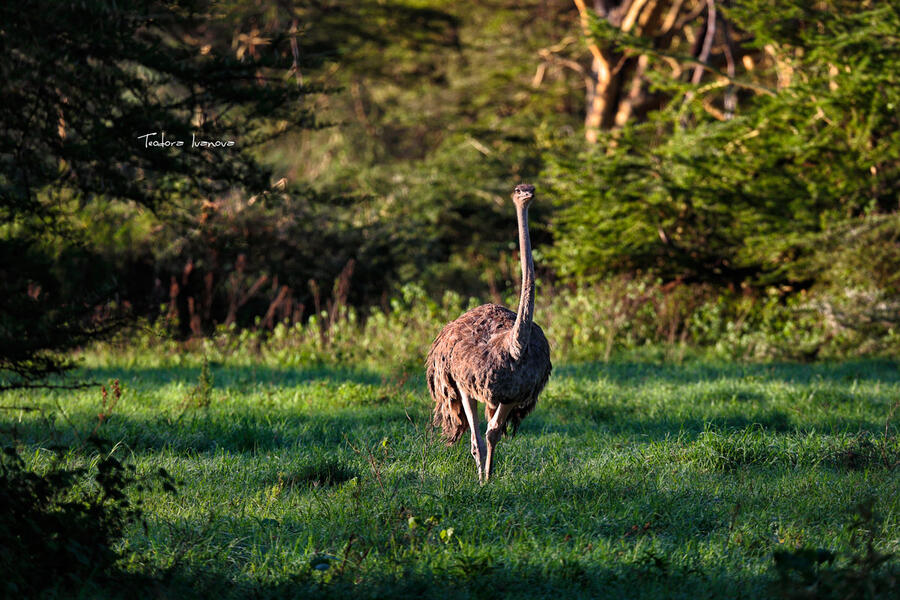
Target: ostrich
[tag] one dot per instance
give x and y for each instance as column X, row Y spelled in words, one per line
column 492, row 355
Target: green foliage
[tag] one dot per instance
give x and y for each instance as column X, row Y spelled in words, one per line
column 258, row 262
column 138, row 63
column 201, row 395
column 435, row 140
column 82, row 82
column 617, row 319
column 45, row 310
column 772, row 215
column 749, row 198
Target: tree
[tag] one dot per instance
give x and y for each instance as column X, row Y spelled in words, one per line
column 87, row 89
column 756, row 197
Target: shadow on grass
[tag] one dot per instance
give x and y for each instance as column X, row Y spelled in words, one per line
column 644, row 373
column 648, row 577
column 623, row 420
column 659, row 428
column 630, row 374
column 227, row 377
column 260, row 431
column 220, row 431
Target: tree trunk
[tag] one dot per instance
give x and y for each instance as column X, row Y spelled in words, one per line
column 616, row 86
column 599, row 91
column 606, row 107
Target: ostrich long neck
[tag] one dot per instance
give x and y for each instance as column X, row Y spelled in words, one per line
column 521, row 331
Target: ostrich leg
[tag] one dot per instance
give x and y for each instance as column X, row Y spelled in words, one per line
column 478, row 451
column 494, row 431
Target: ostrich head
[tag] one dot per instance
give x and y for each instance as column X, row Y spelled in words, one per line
column 523, row 195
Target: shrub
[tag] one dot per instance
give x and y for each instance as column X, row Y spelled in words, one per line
column 60, row 527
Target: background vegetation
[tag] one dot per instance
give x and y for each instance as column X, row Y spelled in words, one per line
column 717, row 188
column 740, row 154
column 737, row 160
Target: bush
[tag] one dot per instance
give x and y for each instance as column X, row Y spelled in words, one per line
column 60, row 527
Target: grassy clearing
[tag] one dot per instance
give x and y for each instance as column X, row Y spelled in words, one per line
column 630, row 479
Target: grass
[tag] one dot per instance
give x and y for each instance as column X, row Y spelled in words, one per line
column 633, row 480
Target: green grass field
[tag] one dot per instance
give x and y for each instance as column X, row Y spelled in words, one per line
column 632, row 480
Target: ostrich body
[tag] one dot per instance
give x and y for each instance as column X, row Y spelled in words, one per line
column 491, row 355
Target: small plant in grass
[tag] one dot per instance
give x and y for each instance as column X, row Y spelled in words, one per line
column 201, row 395
column 107, row 403
column 426, row 530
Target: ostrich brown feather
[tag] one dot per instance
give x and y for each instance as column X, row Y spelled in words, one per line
column 471, row 354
